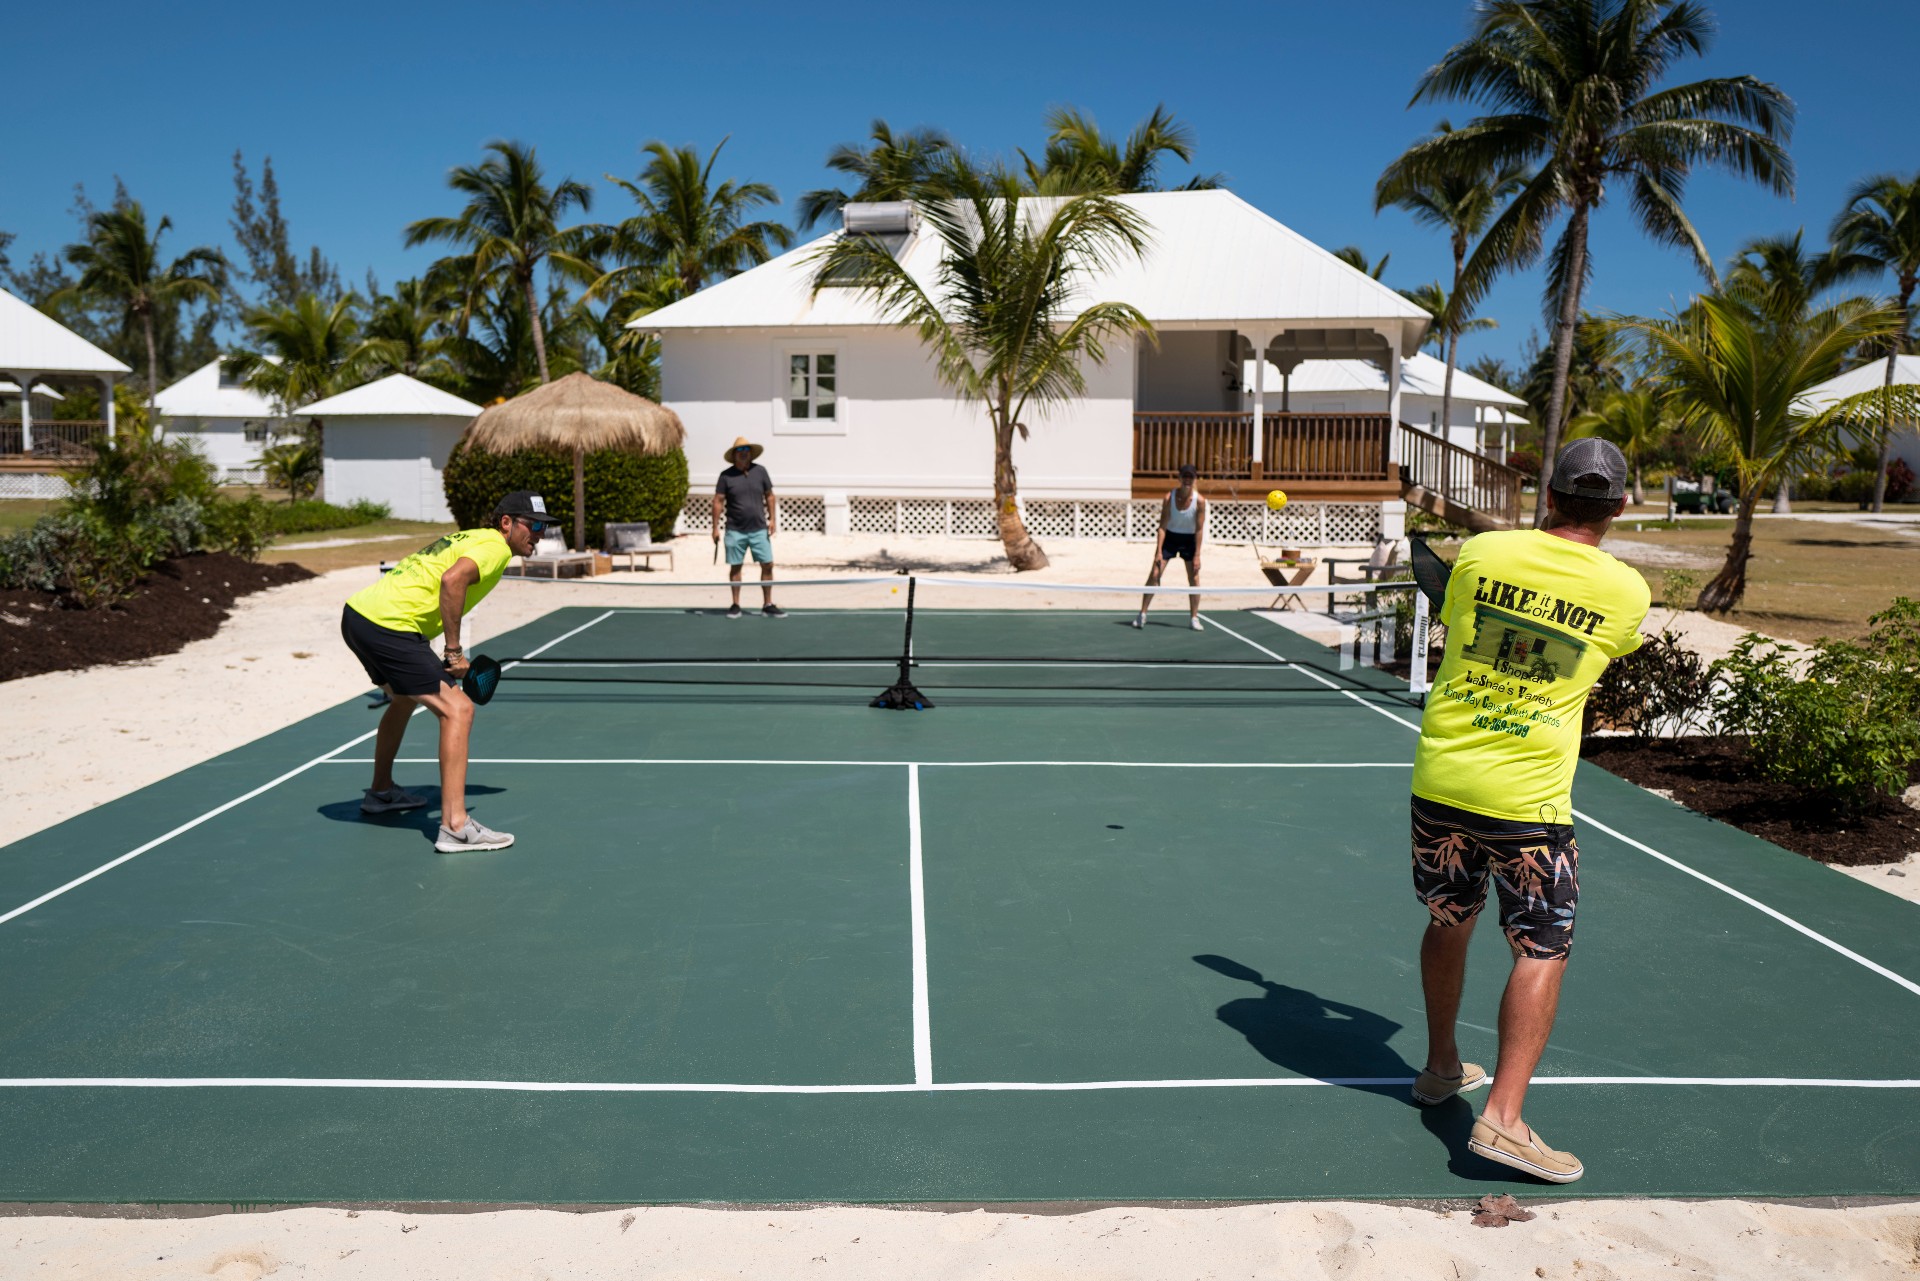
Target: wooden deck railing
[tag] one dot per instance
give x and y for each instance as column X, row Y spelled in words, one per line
column 1461, row 476
column 53, row 439
column 1326, row 447
column 1219, row 445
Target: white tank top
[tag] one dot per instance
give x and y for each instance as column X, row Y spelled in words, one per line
column 1180, row 521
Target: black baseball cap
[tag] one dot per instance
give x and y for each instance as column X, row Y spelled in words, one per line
column 1590, row 468
column 525, row 505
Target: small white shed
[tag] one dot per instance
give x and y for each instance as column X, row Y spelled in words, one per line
column 387, row 442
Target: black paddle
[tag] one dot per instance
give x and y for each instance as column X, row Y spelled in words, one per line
column 1431, row 574
column 481, row 680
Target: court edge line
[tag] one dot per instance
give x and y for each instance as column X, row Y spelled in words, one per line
column 943, row 1087
column 218, row 810
column 917, row 895
column 1644, row 848
column 736, row 760
column 1308, row 671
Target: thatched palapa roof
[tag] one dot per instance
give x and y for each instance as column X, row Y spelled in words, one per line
column 578, row 411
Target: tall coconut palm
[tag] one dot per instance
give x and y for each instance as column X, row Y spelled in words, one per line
column 1572, row 87
column 998, row 319
column 1434, row 299
column 1882, row 222
column 511, row 226
column 1080, row 160
column 122, row 268
column 688, row 231
column 1635, row 419
column 1738, row 382
column 1461, row 204
column 895, row 167
column 413, row 319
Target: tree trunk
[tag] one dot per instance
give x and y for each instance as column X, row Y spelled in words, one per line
column 539, row 334
column 1022, row 552
column 1563, row 327
column 579, row 499
column 1453, row 340
column 1730, row 584
column 153, row 373
column 1783, row 496
column 1639, row 487
column 1894, row 348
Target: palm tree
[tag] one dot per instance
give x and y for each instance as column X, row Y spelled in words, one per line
column 1882, row 222
column 120, row 268
column 1571, row 89
column 1434, row 299
column 998, row 320
column 511, row 225
column 1356, row 258
column 414, row 320
column 1461, row 204
column 1737, row 382
column 1633, row 418
column 688, row 231
column 1080, row 160
column 895, row 167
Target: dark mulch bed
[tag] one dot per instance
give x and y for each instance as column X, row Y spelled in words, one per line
column 1711, row 776
column 179, row 601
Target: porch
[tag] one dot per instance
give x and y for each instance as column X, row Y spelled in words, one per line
column 51, row 442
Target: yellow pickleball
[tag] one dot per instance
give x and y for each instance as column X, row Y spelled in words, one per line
column 1276, row 499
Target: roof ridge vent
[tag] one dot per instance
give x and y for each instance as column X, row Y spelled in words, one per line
column 878, row 217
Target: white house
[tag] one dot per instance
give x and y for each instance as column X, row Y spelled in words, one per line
column 1868, row 377
column 227, row 421
column 388, row 442
column 1481, row 411
column 857, row 425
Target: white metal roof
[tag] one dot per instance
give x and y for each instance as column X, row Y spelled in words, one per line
column 39, row 389
column 395, row 396
column 1213, row 261
column 33, row 342
column 1867, row 377
column 1420, row 375
column 200, row 395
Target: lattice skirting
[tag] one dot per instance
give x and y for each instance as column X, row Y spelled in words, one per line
column 1307, row 524
column 32, row 485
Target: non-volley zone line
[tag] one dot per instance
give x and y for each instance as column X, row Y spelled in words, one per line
column 892, row 1087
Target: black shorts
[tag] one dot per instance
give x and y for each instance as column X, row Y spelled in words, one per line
column 402, row 661
column 1535, row 869
column 1178, row 546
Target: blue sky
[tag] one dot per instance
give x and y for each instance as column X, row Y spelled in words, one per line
column 364, row 108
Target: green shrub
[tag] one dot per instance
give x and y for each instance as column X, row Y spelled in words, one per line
column 241, row 528
column 310, row 516
column 1659, row 689
column 79, row 556
column 620, row 487
column 1679, row 588
column 125, row 478
column 1846, row 732
column 295, row 466
column 1814, row 486
column 1854, row 487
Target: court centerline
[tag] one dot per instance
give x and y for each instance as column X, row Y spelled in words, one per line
column 899, row 1087
column 917, row 898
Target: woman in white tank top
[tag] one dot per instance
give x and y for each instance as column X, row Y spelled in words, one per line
column 1183, row 524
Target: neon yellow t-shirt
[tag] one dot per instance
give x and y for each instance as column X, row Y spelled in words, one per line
column 407, row 597
column 1532, row 620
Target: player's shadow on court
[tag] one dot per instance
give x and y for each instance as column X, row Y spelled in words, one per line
column 1344, row 1044
column 425, row 820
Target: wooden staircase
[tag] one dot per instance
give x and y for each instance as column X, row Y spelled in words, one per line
column 1456, row 484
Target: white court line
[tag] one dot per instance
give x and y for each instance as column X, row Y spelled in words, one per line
column 1644, row 848
column 216, row 811
column 917, row 890
column 942, row 1087
column 736, row 760
column 1057, row 665
column 1308, row 671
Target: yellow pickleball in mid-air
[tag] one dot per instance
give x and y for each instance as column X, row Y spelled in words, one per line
column 1276, row 499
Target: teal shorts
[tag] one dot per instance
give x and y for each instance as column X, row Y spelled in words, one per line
column 739, row 544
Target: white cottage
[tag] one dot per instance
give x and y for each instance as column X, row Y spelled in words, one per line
column 860, row 433
column 1869, row 377
column 225, row 420
column 388, row 442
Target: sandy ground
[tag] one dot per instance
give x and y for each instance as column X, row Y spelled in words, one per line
column 279, row 658
column 1572, row 1241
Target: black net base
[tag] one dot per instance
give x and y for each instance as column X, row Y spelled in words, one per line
column 901, row 696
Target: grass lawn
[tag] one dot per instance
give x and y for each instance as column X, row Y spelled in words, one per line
column 382, row 540
column 18, row 513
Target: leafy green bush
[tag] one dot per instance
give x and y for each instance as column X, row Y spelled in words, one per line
column 311, row 516
column 1659, row 689
column 242, row 528
column 124, row 479
column 78, row 555
column 1679, row 588
column 1854, row 487
column 620, row 487
column 1848, row 730
column 295, row 466
column 1814, row 486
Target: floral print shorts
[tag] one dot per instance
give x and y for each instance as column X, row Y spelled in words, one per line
column 1534, row 866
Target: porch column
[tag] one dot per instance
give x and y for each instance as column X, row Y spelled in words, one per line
column 1393, row 400
column 1259, row 407
column 106, row 401
column 25, row 380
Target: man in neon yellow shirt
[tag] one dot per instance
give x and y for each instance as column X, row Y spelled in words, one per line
column 388, row 627
column 1533, row 616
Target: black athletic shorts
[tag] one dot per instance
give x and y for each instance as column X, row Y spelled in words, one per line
column 1535, row 869
column 402, row 661
column 1176, row 546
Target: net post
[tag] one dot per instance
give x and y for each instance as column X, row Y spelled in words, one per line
column 901, row 696
column 1417, row 673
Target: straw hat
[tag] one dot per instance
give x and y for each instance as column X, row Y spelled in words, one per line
column 742, row 440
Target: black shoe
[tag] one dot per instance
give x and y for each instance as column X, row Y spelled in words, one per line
column 733, row 611
column 774, row 611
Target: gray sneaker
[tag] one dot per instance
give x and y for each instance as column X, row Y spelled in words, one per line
column 471, row 837
column 391, row 801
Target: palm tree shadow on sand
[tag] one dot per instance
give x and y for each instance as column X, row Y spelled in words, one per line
column 1343, row 1045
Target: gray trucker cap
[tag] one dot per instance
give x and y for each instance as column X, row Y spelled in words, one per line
column 1581, row 460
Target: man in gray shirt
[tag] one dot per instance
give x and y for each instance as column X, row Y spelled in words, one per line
column 743, row 498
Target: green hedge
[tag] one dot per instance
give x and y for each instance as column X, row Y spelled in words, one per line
column 620, row 487
column 311, row 516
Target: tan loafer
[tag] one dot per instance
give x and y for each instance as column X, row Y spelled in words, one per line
column 1524, row 1152
column 1429, row 1089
